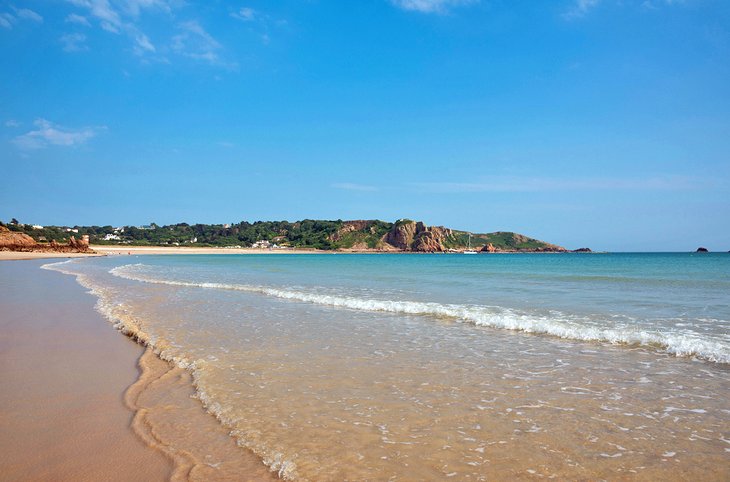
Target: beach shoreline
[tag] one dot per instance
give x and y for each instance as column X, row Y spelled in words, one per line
column 117, row 250
column 116, row 400
column 64, row 373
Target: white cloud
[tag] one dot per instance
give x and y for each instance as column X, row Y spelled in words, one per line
column 246, row 14
column 78, row 19
column 430, row 6
column 12, row 123
column 134, row 7
column 6, row 20
column 350, row 186
column 112, row 19
column 654, row 4
column 580, row 8
column 28, row 14
column 196, row 43
column 541, row 184
column 103, row 11
column 74, row 42
column 143, row 43
column 49, row 134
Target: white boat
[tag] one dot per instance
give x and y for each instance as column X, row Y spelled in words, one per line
column 468, row 249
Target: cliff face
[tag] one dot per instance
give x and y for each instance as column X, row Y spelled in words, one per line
column 350, row 227
column 401, row 235
column 409, row 235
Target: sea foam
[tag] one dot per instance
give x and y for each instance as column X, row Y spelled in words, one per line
column 556, row 324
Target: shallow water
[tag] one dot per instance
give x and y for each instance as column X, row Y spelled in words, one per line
column 410, row 367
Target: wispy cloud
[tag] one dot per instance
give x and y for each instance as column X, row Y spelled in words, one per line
column 111, row 19
column 431, row 6
column 48, row 134
column 195, row 42
column 654, row 4
column 134, row 7
column 7, row 19
column 580, row 8
column 246, row 14
column 540, row 184
column 28, row 14
column 142, row 43
column 74, row 42
column 259, row 22
column 78, row 20
column 350, row 186
column 103, row 11
column 12, row 123
column 123, row 17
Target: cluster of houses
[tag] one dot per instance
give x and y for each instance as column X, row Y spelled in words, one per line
column 265, row 244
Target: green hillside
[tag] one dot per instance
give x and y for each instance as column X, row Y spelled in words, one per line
column 307, row 233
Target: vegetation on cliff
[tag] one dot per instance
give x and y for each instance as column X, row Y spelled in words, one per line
column 402, row 235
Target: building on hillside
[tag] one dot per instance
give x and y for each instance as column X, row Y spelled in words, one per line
column 262, row 244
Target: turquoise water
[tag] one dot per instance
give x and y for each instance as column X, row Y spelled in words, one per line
column 423, row 367
column 680, row 302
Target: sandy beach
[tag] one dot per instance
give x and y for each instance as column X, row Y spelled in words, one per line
column 107, row 250
column 122, row 250
column 64, row 370
column 82, row 402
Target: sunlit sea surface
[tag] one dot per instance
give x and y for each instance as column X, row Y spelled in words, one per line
column 422, row 367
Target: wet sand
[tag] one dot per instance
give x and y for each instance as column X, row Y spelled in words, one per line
column 24, row 255
column 124, row 250
column 63, row 373
column 82, row 402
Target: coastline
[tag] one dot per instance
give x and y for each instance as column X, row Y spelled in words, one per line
column 119, row 250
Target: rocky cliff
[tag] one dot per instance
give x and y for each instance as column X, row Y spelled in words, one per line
column 407, row 235
column 14, row 241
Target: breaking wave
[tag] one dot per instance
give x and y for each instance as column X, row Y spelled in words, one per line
column 557, row 324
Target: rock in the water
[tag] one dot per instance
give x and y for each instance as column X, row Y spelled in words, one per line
column 702, row 250
column 583, row 250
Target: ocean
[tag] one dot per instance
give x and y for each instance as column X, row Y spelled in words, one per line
column 423, row 367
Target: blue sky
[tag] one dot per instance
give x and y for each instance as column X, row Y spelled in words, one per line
column 600, row 123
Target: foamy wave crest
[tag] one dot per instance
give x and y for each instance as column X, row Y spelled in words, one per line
column 558, row 325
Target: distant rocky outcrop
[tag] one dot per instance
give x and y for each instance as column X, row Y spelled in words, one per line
column 407, row 235
column 14, row 241
column 702, row 250
column 489, row 248
column 582, row 250
column 350, row 227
